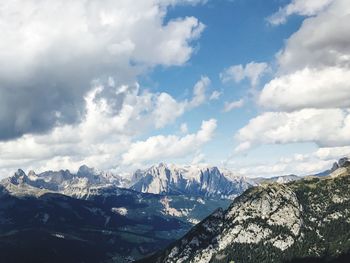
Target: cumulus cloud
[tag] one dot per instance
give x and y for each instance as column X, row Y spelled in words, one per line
column 101, row 137
column 308, row 88
column 331, row 153
column 50, row 53
column 298, row 7
column 327, row 128
column 310, row 92
column 167, row 110
column 322, row 41
column 199, row 92
column 252, row 71
column 229, row 106
column 162, row 147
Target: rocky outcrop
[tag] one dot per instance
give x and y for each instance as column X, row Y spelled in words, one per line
column 273, row 223
column 189, row 180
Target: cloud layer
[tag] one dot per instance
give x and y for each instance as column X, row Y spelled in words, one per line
column 308, row 88
column 308, row 100
column 104, row 134
column 160, row 148
column 327, row 128
column 51, row 52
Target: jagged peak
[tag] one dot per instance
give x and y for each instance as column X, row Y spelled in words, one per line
column 20, row 173
column 162, row 165
column 213, row 169
column 31, row 173
column 344, row 162
column 19, row 177
column 86, row 171
column 84, row 168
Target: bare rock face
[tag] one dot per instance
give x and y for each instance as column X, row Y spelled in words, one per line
column 344, row 162
column 272, row 223
column 189, row 180
column 276, row 205
column 250, row 219
column 87, row 181
column 19, row 177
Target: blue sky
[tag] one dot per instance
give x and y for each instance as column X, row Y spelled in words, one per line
column 259, row 87
column 236, row 33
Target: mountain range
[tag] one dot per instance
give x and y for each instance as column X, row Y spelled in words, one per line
column 301, row 221
column 189, row 180
column 96, row 216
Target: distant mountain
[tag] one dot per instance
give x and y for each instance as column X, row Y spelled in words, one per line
column 189, row 180
column 277, row 179
column 94, row 216
column 194, row 180
column 57, row 228
column 301, row 221
column 64, row 181
column 341, row 163
column 84, row 217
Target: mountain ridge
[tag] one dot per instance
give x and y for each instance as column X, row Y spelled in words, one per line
column 164, row 179
column 273, row 223
column 188, row 180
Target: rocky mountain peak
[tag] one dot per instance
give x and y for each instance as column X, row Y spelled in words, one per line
column 84, row 171
column 19, row 177
column 31, row 173
column 213, row 169
column 272, row 223
column 344, row 162
column 162, row 165
column 20, row 173
column 190, row 180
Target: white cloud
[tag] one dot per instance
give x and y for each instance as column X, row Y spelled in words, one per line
column 215, row 95
column 198, row 158
column 234, row 73
column 279, row 168
column 327, row 128
column 106, row 28
column 102, row 136
column 252, row 71
column 229, row 106
column 298, row 7
column 322, row 41
column 324, row 88
column 55, row 50
column 162, row 147
column 310, row 92
column 199, row 92
column 299, row 164
column 333, row 153
column 167, row 110
column 184, row 128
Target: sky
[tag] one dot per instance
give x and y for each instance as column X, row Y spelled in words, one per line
column 261, row 87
